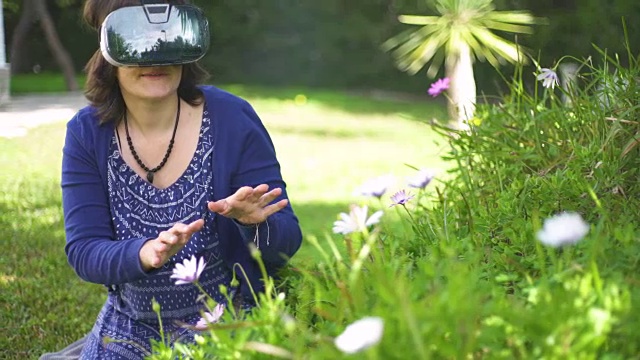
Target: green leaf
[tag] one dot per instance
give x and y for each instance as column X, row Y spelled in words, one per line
column 461, row 23
column 520, row 29
column 418, row 20
column 505, row 49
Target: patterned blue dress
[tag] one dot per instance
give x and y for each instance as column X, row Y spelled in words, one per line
column 139, row 209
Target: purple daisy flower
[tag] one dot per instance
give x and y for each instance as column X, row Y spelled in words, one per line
column 548, row 77
column 438, row 87
column 189, row 271
column 210, row 318
column 376, row 187
column 421, row 179
column 401, row 197
column 356, row 220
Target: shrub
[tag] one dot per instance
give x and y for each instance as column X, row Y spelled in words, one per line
column 470, row 280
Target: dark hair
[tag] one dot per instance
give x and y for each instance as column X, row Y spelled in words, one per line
column 102, row 89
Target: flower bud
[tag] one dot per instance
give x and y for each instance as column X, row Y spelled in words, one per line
column 155, row 306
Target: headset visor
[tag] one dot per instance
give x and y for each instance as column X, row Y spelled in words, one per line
column 151, row 35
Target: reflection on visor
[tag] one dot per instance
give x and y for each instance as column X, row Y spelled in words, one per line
column 154, row 35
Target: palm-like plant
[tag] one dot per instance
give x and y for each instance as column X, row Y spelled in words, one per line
column 460, row 33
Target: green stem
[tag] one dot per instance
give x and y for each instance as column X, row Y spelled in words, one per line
column 542, row 264
column 255, row 253
column 197, row 284
column 156, row 309
column 368, row 242
column 413, row 326
column 253, row 293
column 409, row 213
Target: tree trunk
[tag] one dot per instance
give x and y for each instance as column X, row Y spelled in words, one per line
column 32, row 11
column 27, row 19
column 462, row 88
column 568, row 72
column 3, row 48
column 55, row 45
column 5, row 72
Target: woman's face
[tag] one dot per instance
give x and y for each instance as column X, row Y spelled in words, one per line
column 149, row 83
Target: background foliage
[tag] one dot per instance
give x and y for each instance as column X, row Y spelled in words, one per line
column 336, row 43
column 469, row 280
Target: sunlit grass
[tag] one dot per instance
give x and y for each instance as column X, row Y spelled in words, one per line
column 327, row 144
column 41, row 83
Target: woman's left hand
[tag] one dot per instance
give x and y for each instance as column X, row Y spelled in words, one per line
column 249, row 205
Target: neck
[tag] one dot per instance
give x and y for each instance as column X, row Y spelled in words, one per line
column 151, row 116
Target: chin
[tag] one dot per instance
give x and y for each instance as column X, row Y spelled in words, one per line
column 162, row 95
column 158, row 93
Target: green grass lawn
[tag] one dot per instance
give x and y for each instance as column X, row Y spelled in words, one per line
column 40, row 83
column 328, row 143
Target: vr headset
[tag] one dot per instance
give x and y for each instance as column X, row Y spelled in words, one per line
column 154, row 35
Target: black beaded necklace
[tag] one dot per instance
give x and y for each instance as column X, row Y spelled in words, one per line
column 151, row 172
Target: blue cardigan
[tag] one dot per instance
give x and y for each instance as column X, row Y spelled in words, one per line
column 244, row 156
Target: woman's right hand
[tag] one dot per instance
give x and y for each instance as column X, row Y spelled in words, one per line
column 156, row 252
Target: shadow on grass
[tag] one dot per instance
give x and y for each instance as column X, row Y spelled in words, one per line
column 413, row 107
column 326, row 132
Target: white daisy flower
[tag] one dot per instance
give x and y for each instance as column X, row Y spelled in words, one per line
column 566, row 228
column 360, row 335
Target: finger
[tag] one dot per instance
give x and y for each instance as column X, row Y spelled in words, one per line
column 155, row 253
column 156, row 262
column 162, row 248
column 259, row 191
column 195, row 226
column 220, row 206
column 270, row 196
column 242, row 193
column 274, row 208
column 183, row 232
column 166, row 251
column 159, row 255
column 179, row 229
column 262, row 187
column 167, row 237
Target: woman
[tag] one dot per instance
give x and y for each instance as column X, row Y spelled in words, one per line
column 158, row 170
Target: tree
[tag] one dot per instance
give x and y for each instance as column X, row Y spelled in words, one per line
column 460, row 33
column 36, row 11
column 5, row 75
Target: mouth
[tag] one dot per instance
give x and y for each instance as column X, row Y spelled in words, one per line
column 153, row 74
